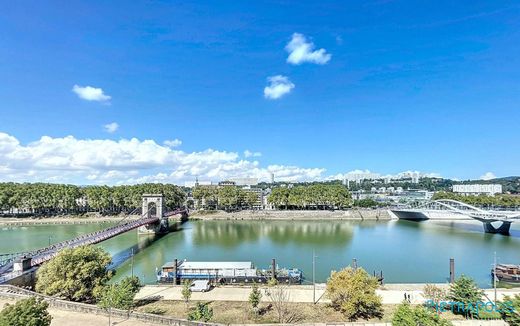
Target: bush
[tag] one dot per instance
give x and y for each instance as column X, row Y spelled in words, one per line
column 120, row 295
column 27, row 312
column 353, row 292
column 75, row 274
column 465, row 290
column 509, row 310
column 407, row 315
column 201, row 312
column 254, row 298
column 434, row 293
column 154, row 310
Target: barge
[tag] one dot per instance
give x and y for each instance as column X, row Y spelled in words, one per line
column 226, row 272
column 507, row 273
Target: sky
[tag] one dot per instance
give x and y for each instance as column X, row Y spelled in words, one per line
column 122, row 92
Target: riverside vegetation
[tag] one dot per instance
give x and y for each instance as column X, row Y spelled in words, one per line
column 82, row 275
column 51, row 199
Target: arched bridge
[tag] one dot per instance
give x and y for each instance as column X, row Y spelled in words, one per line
column 153, row 220
column 494, row 221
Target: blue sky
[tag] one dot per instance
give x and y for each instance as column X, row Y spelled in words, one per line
column 432, row 86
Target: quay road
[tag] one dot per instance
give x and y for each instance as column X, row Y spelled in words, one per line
column 390, row 293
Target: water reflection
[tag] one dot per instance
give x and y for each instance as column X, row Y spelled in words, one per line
column 236, row 233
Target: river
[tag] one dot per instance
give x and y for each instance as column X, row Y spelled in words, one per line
column 406, row 252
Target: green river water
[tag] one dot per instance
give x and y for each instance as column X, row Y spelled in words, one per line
column 406, row 252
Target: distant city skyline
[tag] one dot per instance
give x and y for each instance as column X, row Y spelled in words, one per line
column 122, row 93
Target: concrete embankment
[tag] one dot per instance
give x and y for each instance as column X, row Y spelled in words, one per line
column 351, row 214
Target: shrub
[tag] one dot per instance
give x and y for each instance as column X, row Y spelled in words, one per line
column 353, row 292
column 27, row 312
column 77, row 274
column 407, row 315
column 201, row 312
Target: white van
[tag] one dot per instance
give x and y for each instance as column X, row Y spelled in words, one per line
column 200, row 286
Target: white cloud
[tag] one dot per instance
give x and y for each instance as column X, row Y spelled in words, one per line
column 301, row 51
column 173, row 143
column 278, row 86
column 90, row 93
column 111, row 127
column 127, row 161
column 488, row 176
column 248, row 153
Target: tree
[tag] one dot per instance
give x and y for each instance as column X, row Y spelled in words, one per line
column 132, row 283
column 419, row 315
column 26, row 312
column 434, row 293
column 75, row 274
column 254, row 298
column 280, row 298
column 466, row 291
column 186, row 292
column 353, row 292
column 120, row 295
column 509, row 309
column 201, row 312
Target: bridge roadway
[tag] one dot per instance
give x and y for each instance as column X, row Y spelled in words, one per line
column 493, row 221
column 42, row 255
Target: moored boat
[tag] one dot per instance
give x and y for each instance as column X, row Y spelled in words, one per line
column 226, row 273
column 507, row 273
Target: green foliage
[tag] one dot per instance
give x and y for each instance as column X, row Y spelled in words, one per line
column 132, row 283
column 46, row 198
column 407, row 315
column 481, row 200
column 75, row 274
column 510, row 308
column 120, row 295
column 353, row 292
column 155, row 310
column 224, row 197
column 254, row 297
column 316, row 196
column 465, row 290
column 27, row 312
column 366, row 203
column 186, row 292
column 201, row 312
column 434, row 293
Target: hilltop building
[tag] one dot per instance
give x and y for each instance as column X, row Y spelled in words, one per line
column 478, row 189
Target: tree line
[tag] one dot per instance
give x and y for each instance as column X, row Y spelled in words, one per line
column 225, row 197
column 48, row 199
column 481, row 200
column 316, row 196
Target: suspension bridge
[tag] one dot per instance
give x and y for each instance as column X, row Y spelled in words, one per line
column 152, row 220
column 494, row 221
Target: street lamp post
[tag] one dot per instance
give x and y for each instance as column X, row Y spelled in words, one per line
column 313, row 277
column 495, row 276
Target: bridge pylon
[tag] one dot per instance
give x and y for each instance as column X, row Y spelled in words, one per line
column 153, row 206
column 502, row 227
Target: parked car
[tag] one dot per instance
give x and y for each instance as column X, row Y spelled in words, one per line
column 200, row 286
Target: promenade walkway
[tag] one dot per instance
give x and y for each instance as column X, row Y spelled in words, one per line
column 392, row 294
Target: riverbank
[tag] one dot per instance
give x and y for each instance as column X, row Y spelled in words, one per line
column 350, row 214
column 231, row 307
column 92, row 218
